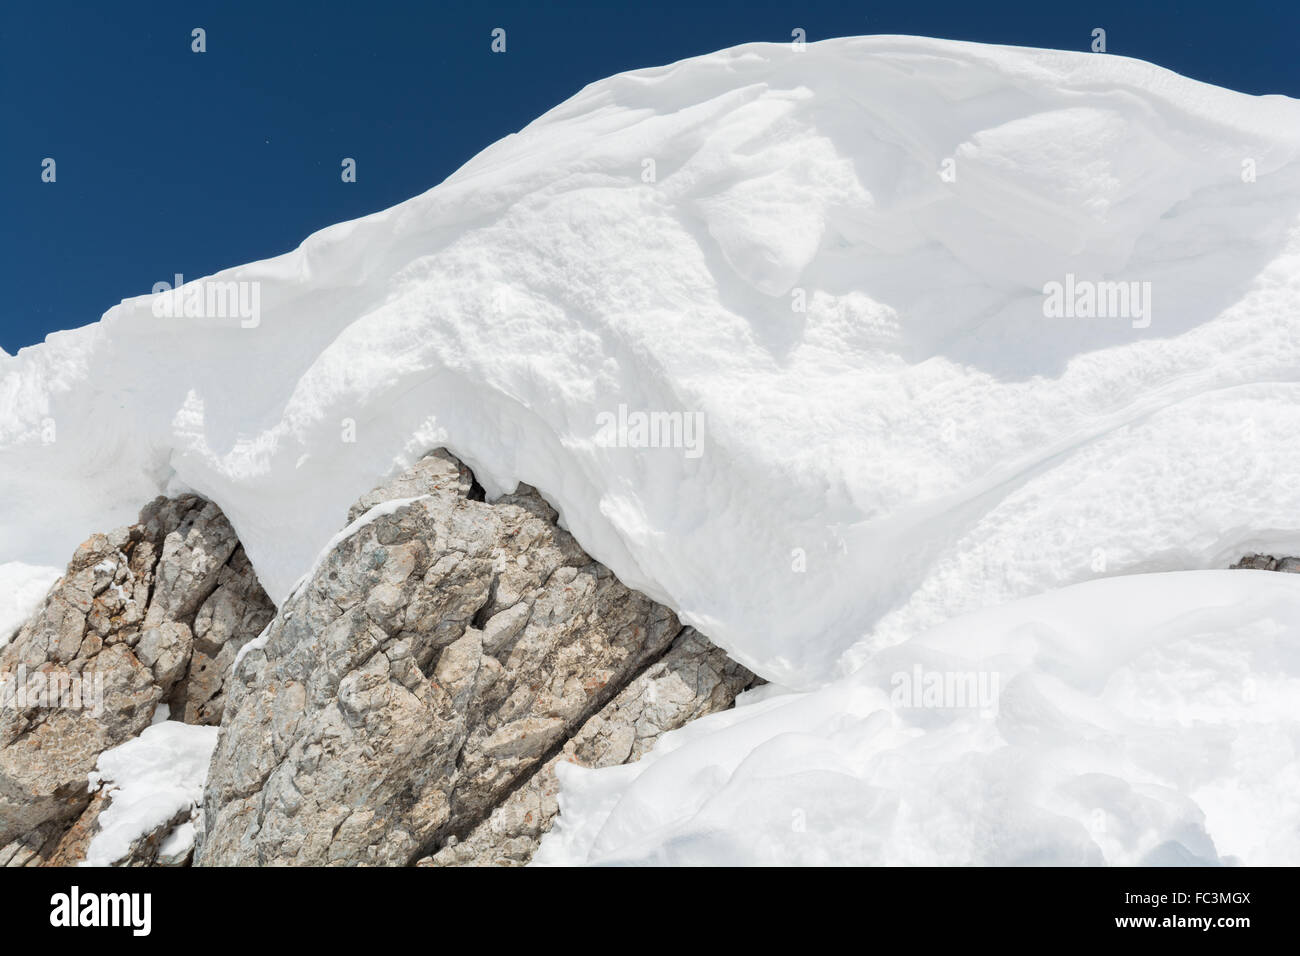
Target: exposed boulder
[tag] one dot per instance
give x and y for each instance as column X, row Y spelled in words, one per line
column 134, row 622
column 441, row 652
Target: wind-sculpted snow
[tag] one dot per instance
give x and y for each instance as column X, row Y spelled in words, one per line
column 1150, row 719
column 835, row 261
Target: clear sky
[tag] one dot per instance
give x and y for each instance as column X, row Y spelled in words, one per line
column 171, row 162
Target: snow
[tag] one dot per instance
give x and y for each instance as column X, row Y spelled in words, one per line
column 1148, row 719
column 179, row 842
column 22, row 588
column 920, row 441
column 152, row 778
column 914, row 469
column 256, row 644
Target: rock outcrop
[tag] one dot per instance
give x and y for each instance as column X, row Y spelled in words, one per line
column 148, row 614
column 424, row 678
column 1266, row 562
column 693, row 679
column 410, row 701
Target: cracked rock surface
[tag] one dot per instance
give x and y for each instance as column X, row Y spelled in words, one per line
column 693, row 679
column 441, row 652
column 149, row 613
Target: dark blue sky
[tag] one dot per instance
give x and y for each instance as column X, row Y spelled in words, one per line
column 170, row 161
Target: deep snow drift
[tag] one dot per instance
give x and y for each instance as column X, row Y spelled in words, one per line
column 916, row 442
column 1149, row 719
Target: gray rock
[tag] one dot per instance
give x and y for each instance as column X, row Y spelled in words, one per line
column 1257, row 562
column 1266, row 562
column 32, row 848
column 693, row 679
column 236, row 612
column 438, row 655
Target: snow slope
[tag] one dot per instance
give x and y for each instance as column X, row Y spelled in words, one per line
column 917, row 442
column 1147, row 719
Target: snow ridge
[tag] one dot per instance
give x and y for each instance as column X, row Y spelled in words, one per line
column 896, row 432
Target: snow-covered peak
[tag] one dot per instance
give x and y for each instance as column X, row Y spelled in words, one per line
column 830, row 265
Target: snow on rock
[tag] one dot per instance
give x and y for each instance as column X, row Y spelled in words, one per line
column 1148, row 719
column 152, row 779
column 774, row 244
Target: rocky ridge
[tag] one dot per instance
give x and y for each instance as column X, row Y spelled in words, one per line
column 423, row 680
column 148, row 615
column 409, row 702
column 1266, row 562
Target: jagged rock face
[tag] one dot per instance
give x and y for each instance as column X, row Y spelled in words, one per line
column 441, row 651
column 1266, row 562
column 411, row 701
column 143, row 615
column 693, row 679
